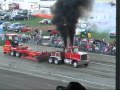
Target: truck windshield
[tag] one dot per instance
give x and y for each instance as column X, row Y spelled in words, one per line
column 75, row 50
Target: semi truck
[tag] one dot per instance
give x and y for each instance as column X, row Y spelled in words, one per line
column 71, row 55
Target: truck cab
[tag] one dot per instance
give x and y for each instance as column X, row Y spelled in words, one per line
column 9, row 42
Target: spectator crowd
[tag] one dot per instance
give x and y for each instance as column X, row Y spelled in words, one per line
column 90, row 45
column 98, row 46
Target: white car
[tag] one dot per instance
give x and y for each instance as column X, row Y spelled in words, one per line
column 45, row 21
column 112, row 34
column 5, row 24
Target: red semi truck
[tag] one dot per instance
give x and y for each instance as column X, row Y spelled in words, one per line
column 70, row 56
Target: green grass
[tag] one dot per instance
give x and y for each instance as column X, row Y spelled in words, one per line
column 2, row 42
column 32, row 22
column 102, row 35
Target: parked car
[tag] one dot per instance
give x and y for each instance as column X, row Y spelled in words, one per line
column 5, row 24
column 12, row 26
column 5, row 17
column 49, row 22
column 1, row 22
column 18, row 28
column 22, row 28
column 45, row 21
column 18, row 17
column 1, row 15
column 112, row 34
column 26, row 29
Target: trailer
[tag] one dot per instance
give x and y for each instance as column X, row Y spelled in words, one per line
column 71, row 55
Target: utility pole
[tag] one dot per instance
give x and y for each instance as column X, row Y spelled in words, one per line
column 118, row 45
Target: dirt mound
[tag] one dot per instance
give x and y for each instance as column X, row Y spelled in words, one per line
column 44, row 27
column 41, row 48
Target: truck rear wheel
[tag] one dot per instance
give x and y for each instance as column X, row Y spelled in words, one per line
column 86, row 65
column 12, row 53
column 17, row 54
column 56, row 61
column 75, row 64
column 50, row 60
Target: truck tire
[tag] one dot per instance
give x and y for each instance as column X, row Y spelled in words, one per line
column 86, row 65
column 12, row 53
column 50, row 60
column 17, row 54
column 75, row 64
column 56, row 61
column 4, row 52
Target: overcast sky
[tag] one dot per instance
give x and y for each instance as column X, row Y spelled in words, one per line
column 39, row 0
column 20, row 0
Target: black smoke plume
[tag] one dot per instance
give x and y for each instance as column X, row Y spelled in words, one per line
column 66, row 14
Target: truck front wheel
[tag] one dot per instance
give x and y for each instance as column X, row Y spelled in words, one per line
column 86, row 65
column 75, row 64
column 50, row 60
column 4, row 52
column 56, row 61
